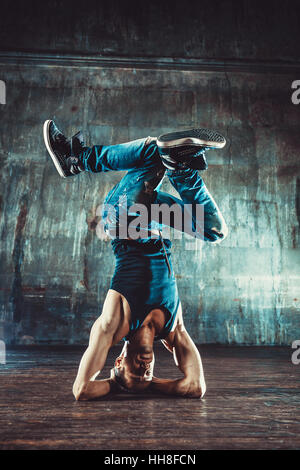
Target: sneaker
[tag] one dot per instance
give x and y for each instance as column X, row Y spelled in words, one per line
column 63, row 151
column 195, row 160
column 186, row 149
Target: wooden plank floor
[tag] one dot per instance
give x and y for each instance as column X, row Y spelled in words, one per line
column 252, row 402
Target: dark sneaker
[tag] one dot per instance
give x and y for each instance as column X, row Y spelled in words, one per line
column 63, row 151
column 176, row 161
column 186, row 149
column 77, row 144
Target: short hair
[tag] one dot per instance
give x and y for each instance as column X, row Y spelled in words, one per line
column 119, row 380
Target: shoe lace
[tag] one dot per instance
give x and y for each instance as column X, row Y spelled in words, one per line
column 74, row 165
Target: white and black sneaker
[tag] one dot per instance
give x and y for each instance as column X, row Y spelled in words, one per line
column 186, row 149
column 62, row 150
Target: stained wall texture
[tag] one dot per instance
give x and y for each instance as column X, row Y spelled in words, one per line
column 55, row 271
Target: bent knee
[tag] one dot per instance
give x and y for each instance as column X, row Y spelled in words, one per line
column 216, row 229
column 218, row 235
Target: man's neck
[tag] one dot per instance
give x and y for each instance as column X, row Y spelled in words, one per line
column 155, row 321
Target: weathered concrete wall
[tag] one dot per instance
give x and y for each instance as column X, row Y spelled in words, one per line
column 55, row 271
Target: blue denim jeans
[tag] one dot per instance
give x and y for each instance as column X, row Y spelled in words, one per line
column 142, row 161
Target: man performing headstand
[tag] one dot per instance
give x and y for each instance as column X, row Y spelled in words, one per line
column 142, row 304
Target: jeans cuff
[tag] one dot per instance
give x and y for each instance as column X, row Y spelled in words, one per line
column 181, row 171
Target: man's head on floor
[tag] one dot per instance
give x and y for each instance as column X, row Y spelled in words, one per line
column 133, row 369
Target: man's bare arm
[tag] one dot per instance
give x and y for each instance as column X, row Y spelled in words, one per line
column 188, row 360
column 102, row 337
column 85, row 387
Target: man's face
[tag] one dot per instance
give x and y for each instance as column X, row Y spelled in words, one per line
column 135, row 370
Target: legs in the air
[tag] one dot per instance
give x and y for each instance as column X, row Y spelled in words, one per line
column 179, row 154
column 186, row 149
column 207, row 224
column 70, row 156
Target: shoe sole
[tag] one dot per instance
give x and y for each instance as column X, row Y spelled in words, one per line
column 199, row 137
column 49, row 148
